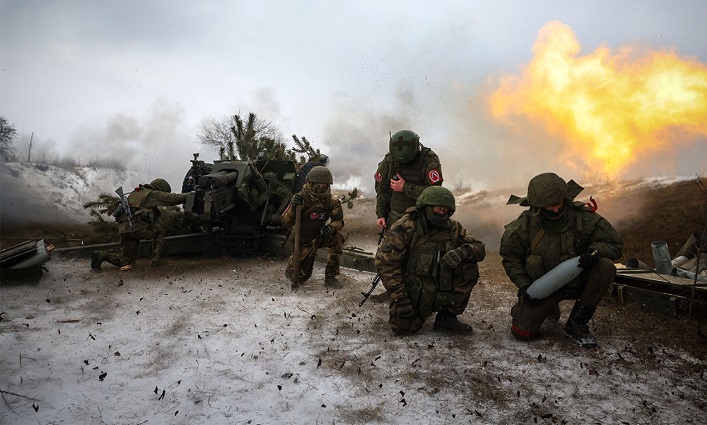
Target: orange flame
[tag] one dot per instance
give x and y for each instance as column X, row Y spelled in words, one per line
column 608, row 108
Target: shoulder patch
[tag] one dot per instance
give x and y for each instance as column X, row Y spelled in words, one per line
column 378, row 177
column 434, row 176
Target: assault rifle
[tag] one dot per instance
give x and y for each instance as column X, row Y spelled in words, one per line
column 124, row 206
column 376, row 281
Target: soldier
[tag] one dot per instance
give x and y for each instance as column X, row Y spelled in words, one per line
column 143, row 202
column 405, row 171
column 552, row 230
column 315, row 161
column 322, row 221
column 428, row 262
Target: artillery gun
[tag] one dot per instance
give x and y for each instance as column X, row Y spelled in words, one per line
column 240, row 201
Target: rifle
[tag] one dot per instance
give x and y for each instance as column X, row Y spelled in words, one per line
column 296, row 253
column 124, row 206
column 376, row 281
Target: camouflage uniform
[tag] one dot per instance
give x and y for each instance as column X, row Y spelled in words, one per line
column 423, row 171
column 534, row 244
column 143, row 201
column 318, row 209
column 409, row 264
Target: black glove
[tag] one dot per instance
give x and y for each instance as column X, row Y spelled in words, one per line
column 523, row 293
column 589, row 259
column 404, row 306
column 296, row 199
column 454, row 257
column 327, row 230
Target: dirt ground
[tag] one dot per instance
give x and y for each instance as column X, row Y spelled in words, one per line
column 225, row 340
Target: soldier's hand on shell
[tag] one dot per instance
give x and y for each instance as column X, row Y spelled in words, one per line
column 589, row 259
column 296, row 199
column 454, row 257
column 327, row 230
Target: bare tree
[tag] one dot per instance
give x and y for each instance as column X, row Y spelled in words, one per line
column 216, row 133
column 8, row 133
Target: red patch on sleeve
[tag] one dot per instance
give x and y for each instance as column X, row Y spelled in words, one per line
column 434, row 176
column 378, row 177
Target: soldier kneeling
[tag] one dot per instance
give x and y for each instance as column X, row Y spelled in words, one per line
column 428, row 262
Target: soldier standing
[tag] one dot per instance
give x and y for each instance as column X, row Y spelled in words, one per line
column 404, row 173
column 322, row 221
column 554, row 229
column 144, row 202
column 428, row 263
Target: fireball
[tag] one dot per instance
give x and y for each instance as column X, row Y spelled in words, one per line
column 607, row 107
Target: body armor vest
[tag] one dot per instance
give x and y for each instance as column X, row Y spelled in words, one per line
column 553, row 249
column 314, row 217
column 136, row 200
column 428, row 278
column 412, row 172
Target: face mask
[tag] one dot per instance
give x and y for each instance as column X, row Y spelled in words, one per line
column 551, row 215
column 317, row 188
column 436, row 219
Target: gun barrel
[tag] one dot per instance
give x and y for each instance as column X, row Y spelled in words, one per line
column 217, row 180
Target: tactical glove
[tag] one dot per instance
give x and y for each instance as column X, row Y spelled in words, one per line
column 523, row 293
column 404, row 307
column 327, row 230
column 589, row 259
column 454, row 257
column 296, row 199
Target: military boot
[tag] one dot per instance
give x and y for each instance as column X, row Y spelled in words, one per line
column 577, row 328
column 96, row 260
column 447, row 322
column 332, row 282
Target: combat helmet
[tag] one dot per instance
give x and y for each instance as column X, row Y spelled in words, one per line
column 404, row 145
column 547, row 189
column 320, row 174
column 437, row 196
column 161, row 185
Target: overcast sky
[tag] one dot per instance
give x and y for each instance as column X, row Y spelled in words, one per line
column 136, row 78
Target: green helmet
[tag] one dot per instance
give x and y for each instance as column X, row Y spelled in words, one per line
column 161, row 185
column 404, row 145
column 547, row 189
column 437, row 196
column 320, row 174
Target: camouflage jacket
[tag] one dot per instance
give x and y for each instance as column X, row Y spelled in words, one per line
column 143, row 204
column 425, row 170
column 410, row 234
column 316, row 212
column 582, row 230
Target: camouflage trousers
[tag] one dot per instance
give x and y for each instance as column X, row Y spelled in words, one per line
column 129, row 243
column 589, row 289
column 465, row 277
column 308, row 253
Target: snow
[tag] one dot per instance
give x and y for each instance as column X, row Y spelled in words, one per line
column 221, row 340
column 225, row 340
column 39, row 193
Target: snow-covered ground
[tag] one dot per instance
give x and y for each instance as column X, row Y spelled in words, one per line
column 225, row 340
